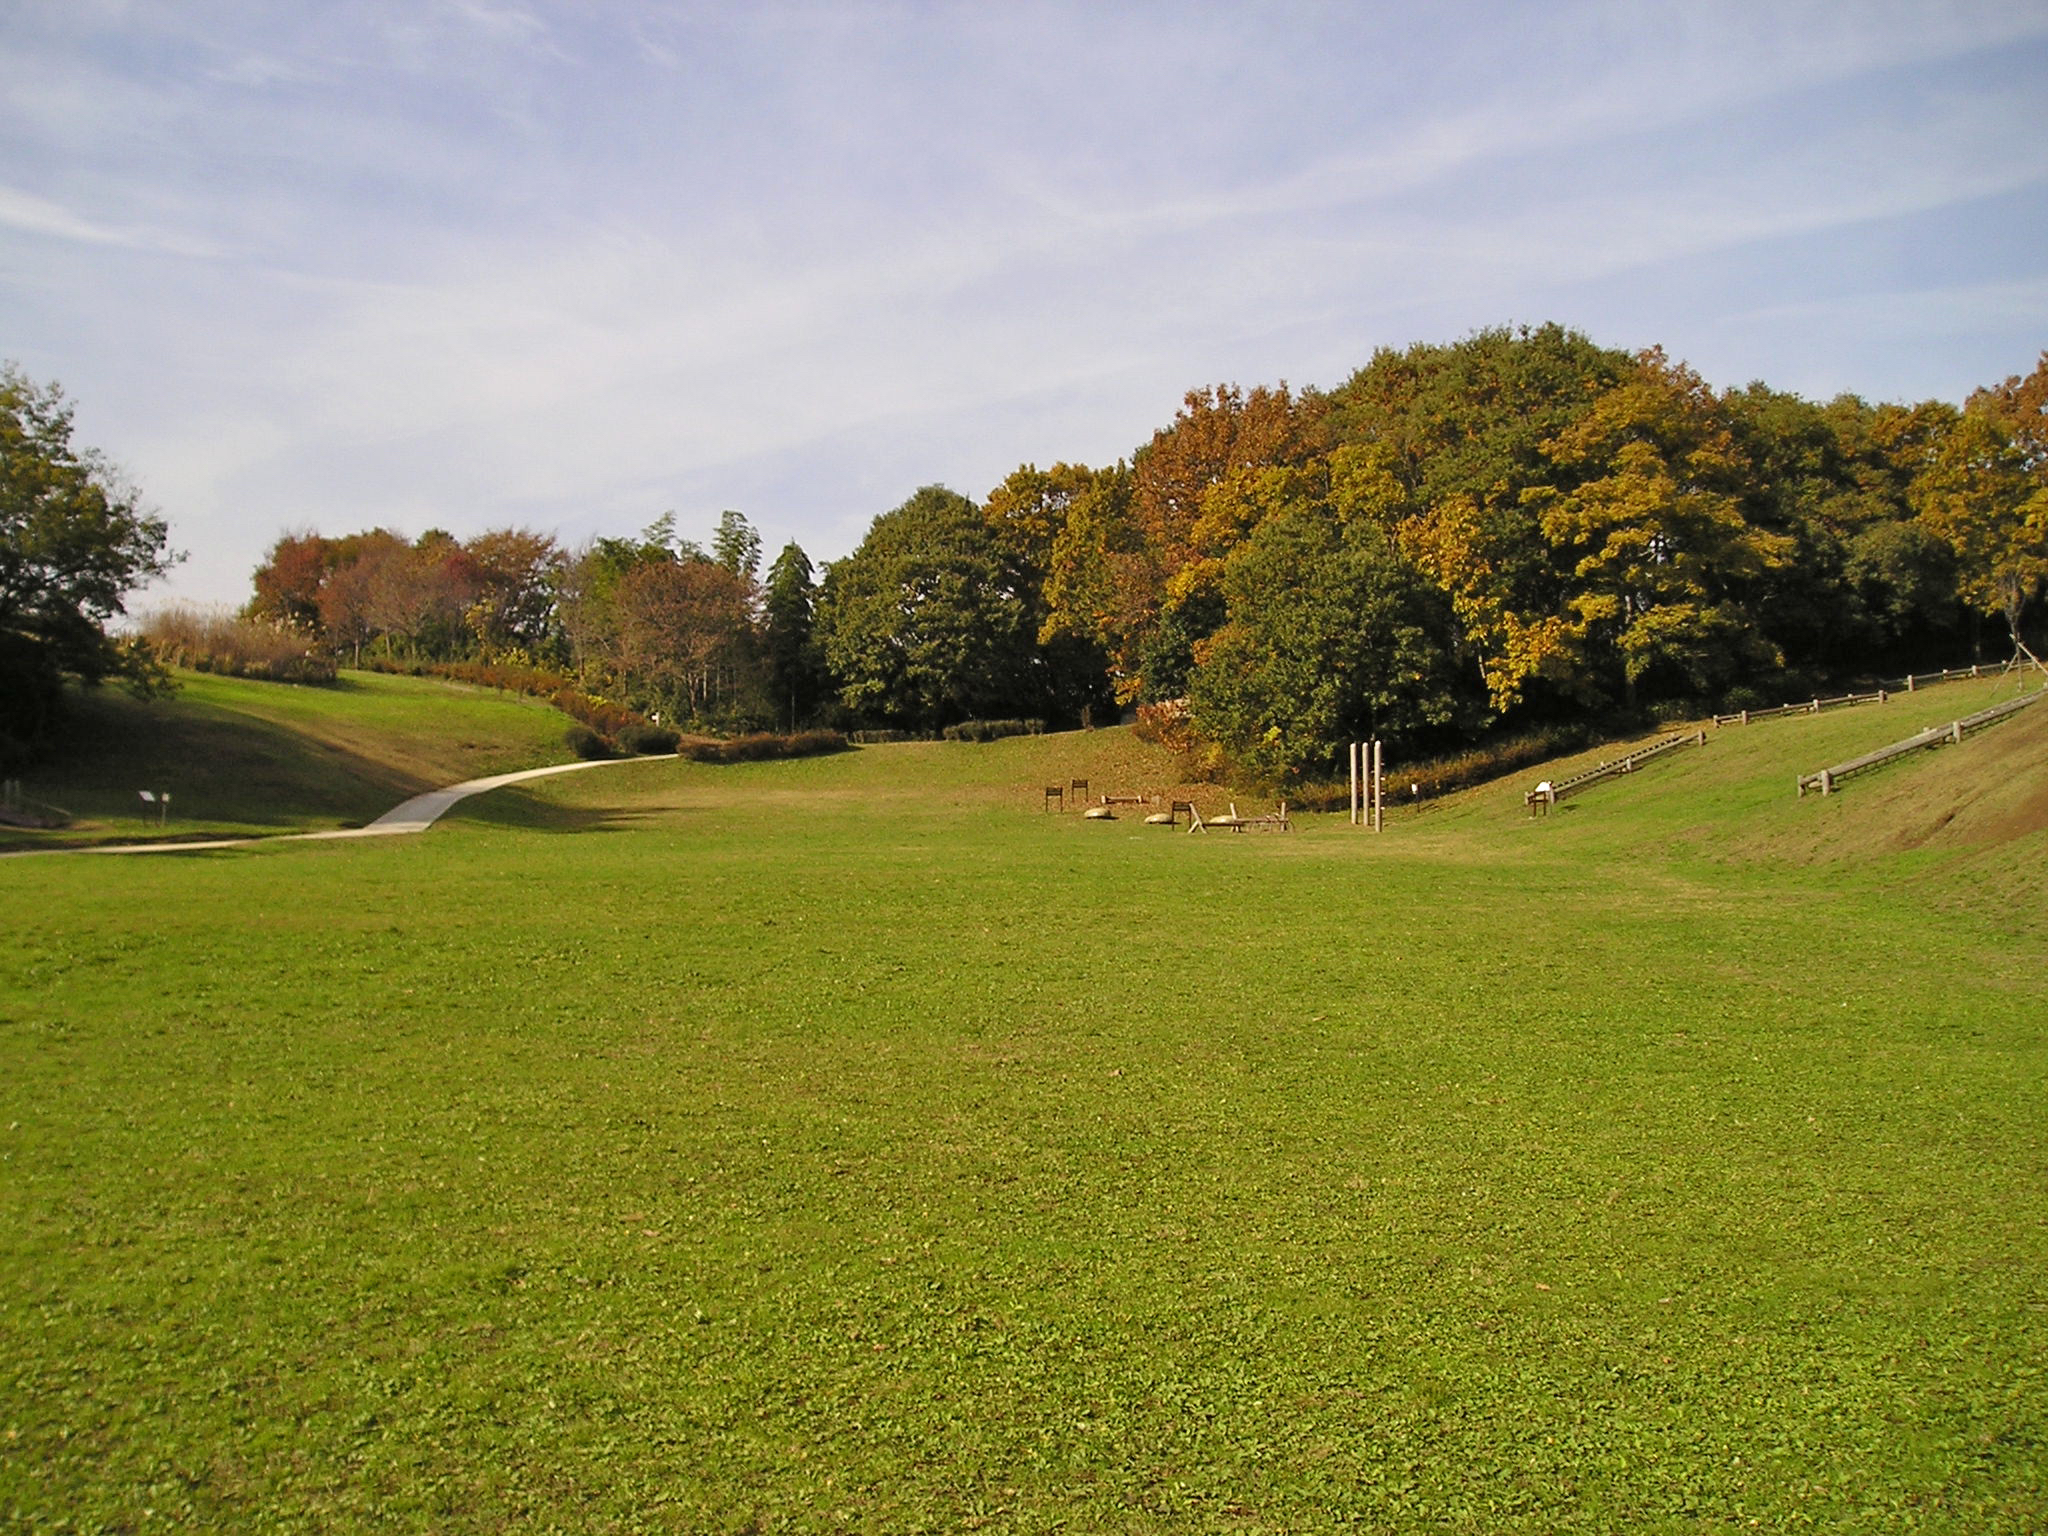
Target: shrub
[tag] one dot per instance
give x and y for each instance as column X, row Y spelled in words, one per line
column 762, row 746
column 881, row 737
column 1442, row 775
column 1489, row 760
column 233, row 647
column 510, row 675
column 648, row 740
column 601, row 715
column 586, row 743
column 1166, row 724
column 992, row 730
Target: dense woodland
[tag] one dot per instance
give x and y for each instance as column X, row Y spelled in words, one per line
column 1514, row 530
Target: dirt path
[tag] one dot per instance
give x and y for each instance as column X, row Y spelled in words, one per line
column 415, row 815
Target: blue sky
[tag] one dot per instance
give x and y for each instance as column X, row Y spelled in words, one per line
column 470, row 263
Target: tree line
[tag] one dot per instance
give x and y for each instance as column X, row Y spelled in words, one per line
column 1515, row 529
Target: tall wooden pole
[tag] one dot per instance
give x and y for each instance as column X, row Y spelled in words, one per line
column 1378, row 786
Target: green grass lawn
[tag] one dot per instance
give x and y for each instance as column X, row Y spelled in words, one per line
column 239, row 755
column 846, row 1145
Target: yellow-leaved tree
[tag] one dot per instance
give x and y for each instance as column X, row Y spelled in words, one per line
column 1649, row 523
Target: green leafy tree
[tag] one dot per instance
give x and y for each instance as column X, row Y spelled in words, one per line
column 736, row 546
column 796, row 680
column 1331, row 636
column 921, row 625
column 74, row 542
column 1444, row 446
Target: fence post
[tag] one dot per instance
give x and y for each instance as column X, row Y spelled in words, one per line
column 1955, row 732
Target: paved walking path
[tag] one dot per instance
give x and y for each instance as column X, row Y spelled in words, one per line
column 415, row 815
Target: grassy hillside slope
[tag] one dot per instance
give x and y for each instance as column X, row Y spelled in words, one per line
column 848, row 1145
column 245, row 756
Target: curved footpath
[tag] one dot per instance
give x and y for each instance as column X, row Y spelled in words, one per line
column 415, row 815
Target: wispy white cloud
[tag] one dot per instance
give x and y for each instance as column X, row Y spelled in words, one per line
column 477, row 260
column 32, row 215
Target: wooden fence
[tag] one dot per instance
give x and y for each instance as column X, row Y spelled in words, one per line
column 1547, row 794
column 1934, row 736
column 1914, row 681
column 1804, row 707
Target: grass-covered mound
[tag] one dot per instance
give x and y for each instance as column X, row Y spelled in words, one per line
column 240, row 755
column 844, row 1144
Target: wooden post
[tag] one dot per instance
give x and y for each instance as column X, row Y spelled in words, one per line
column 1378, row 786
column 1827, row 782
column 1351, row 750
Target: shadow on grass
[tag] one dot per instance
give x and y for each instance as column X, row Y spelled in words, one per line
column 517, row 809
column 221, row 768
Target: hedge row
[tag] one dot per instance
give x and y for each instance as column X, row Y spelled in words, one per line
column 992, row 730
column 762, row 746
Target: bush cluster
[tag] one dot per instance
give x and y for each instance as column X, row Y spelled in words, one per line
column 1166, row 724
column 648, row 740
column 883, row 736
column 234, row 647
column 762, row 746
column 1443, row 775
column 992, row 730
column 601, row 715
column 586, row 743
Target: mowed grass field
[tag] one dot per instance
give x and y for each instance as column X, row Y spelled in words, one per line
column 846, row 1145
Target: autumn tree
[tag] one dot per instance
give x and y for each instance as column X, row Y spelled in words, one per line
column 1653, row 534
column 352, row 598
column 686, row 639
column 1443, row 445
column 587, row 590
column 1978, row 493
column 515, row 572
column 288, row 582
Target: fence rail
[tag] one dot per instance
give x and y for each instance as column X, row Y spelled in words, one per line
column 1934, row 736
column 1913, row 681
column 1804, row 707
column 1548, row 794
